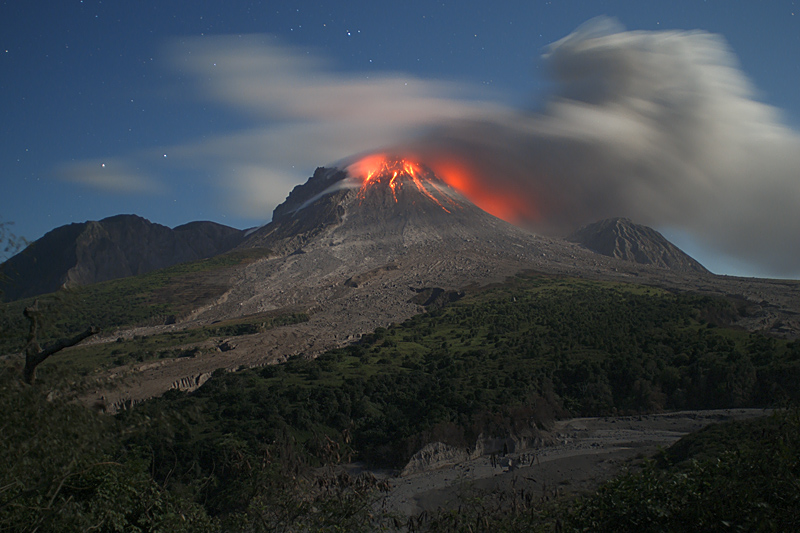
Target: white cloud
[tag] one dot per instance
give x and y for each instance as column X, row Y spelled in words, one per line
column 111, row 175
column 306, row 114
column 258, row 190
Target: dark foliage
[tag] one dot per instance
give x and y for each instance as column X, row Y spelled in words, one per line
column 64, row 468
column 746, row 480
column 505, row 361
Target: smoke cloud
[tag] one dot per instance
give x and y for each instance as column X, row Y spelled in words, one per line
column 661, row 127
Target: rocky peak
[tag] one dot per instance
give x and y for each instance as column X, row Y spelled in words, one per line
column 378, row 197
column 325, row 182
column 623, row 239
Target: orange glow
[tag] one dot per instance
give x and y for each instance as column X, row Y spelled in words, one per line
column 506, row 204
column 380, row 168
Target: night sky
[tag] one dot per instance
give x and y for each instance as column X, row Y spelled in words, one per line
column 182, row 111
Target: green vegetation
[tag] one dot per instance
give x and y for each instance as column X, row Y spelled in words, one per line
column 507, row 359
column 155, row 297
column 237, row 452
column 64, row 468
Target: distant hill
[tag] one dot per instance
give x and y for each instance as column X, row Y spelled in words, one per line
column 623, row 239
column 115, row 247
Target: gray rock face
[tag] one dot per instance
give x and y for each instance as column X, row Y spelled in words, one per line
column 115, row 247
column 433, row 456
column 309, row 209
column 385, row 207
column 622, row 239
column 389, row 211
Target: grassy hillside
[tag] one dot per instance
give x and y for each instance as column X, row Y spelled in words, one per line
column 88, row 360
column 149, row 298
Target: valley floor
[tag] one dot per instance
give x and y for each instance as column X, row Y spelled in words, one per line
column 584, row 453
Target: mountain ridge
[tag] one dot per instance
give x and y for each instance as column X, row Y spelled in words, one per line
column 114, row 247
column 623, row 239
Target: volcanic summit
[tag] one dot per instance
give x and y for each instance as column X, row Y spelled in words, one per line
column 382, row 199
column 354, row 247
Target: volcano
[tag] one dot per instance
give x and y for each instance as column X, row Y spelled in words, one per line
column 623, row 239
column 373, row 243
column 356, row 247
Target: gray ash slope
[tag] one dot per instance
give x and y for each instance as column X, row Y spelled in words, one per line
column 355, row 254
column 401, row 238
column 395, row 215
column 115, row 247
column 621, row 238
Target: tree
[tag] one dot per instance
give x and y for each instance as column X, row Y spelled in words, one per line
column 34, row 354
column 9, row 243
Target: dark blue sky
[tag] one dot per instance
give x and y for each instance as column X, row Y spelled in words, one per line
column 109, row 84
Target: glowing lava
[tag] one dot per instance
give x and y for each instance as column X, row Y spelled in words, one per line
column 396, row 173
column 497, row 197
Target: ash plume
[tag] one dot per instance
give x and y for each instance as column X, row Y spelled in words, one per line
column 660, row 127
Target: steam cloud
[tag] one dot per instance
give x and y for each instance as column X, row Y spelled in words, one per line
column 661, row 127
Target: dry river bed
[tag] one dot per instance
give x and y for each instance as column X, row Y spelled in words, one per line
column 586, row 452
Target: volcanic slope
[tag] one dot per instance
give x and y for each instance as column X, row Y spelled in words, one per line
column 364, row 247
column 354, row 249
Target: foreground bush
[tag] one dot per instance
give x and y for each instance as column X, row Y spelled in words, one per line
column 753, row 484
column 63, row 468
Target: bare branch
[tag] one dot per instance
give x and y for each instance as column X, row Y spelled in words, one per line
column 34, row 355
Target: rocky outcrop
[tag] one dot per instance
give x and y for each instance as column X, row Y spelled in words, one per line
column 433, row 456
column 436, row 455
column 308, row 210
column 115, row 247
column 621, row 238
column 190, row 383
column 435, row 297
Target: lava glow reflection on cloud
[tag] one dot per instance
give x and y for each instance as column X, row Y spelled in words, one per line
column 502, row 203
